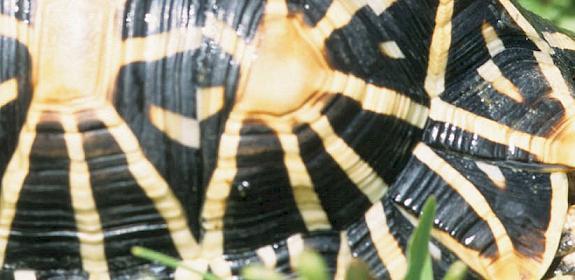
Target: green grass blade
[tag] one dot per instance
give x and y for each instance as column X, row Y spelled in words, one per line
column 259, row 272
column 311, row 266
column 166, row 260
column 357, row 270
column 419, row 261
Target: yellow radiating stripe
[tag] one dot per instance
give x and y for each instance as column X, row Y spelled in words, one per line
column 8, row 92
column 152, row 183
column 209, row 101
column 295, row 246
column 380, row 6
column 553, row 151
column 343, row 257
column 13, row 28
column 439, row 51
column 559, row 88
column 86, row 214
column 379, row 100
column 504, row 267
column 526, row 26
column 560, row 40
column 177, row 127
column 490, row 72
column 199, row 267
column 13, row 180
column 221, row 267
column 158, row 46
column 337, row 16
column 535, row 270
column 493, row 173
column 385, row 243
column 305, row 197
column 357, row 170
column 558, row 212
column 268, row 256
column 218, row 190
column 471, row 258
column 492, row 40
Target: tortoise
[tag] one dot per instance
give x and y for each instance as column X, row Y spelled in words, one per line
column 234, row 132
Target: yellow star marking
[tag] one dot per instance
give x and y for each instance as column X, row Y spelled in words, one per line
column 179, row 128
column 439, row 50
column 560, row 40
column 8, row 92
column 85, row 211
column 69, row 64
column 76, row 69
column 285, row 85
column 14, row 176
column 386, row 245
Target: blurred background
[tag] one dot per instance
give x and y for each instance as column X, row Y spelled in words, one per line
column 561, row 12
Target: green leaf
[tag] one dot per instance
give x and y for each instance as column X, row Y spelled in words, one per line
column 357, row 270
column 456, row 271
column 419, row 260
column 259, row 272
column 166, row 260
column 311, row 266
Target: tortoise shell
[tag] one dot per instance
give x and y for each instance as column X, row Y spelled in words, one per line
column 227, row 133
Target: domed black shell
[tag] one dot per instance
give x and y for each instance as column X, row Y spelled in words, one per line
column 227, row 133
